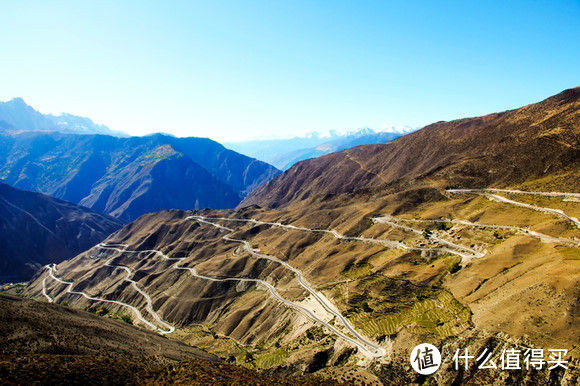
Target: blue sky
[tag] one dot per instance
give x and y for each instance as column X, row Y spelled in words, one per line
column 231, row 70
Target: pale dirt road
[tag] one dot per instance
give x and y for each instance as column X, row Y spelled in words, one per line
column 51, row 272
column 368, row 348
column 543, row 237
column 326, row 304
column 556, row 212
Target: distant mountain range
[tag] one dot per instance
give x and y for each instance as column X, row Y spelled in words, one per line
column 283, row 153
column 71, row 158
column 127, row 177
column 36, row 229
column 16, row 115
column 497, row 149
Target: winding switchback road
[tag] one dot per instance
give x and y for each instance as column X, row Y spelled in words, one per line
column 367, row 347
column 51, row 272
column 168, row 328
column 467, row 253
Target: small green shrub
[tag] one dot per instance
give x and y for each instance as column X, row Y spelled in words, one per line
column 231, row 359
column 247, row 357
column 102, row 311
column 126, row 319
column 454, row 267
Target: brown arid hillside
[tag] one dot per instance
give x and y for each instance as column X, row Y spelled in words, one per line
column 472, row 252
column 54, row 344
column 498, row 150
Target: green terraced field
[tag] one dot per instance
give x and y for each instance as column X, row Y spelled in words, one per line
column 271, row 358
column 442, row 316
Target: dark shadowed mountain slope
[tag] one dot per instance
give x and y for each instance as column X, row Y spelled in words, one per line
column 36, row 229
column 127, row 177
column 497, row 149
column 240, row 172
column 17, row 115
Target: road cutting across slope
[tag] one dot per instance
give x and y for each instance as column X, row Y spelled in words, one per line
column 552, row 194
column 463, row 252
column 543, row 237
column 366, row 347
column 51, row 272
column 469, row 253
column 556, row 212
column 44, row 292
column 149, row 307
column 326, row 304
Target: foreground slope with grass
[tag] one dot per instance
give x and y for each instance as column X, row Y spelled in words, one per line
column 49, row 343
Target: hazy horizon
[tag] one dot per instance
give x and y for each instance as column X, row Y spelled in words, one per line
column 264, row 137
column 232, row 71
